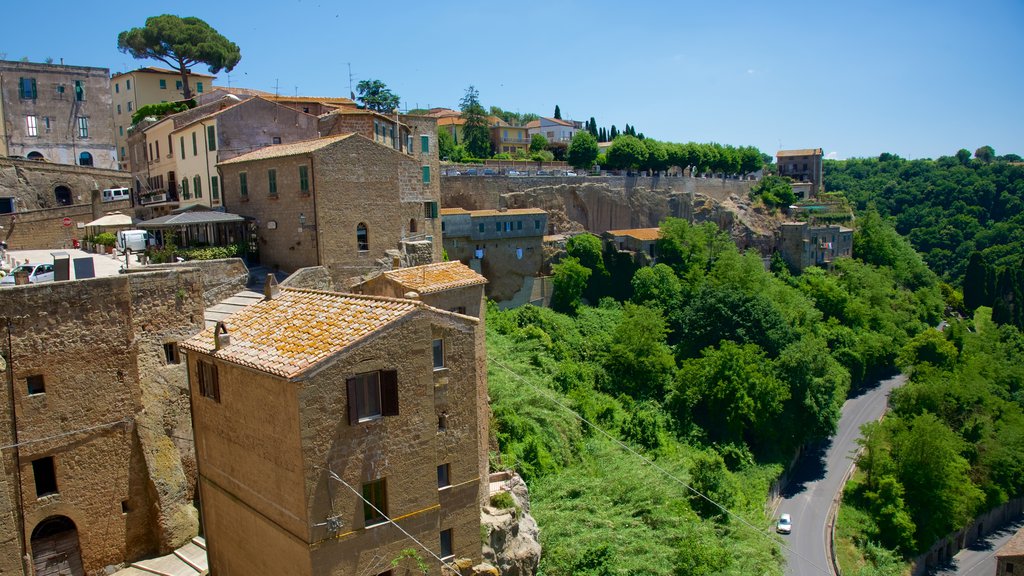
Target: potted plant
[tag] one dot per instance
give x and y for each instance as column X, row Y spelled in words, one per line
column 107, row 240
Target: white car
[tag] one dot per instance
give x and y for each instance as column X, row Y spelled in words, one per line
column 785, row 524
column 36, row 273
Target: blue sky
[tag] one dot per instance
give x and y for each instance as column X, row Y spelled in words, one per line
column 919, row 79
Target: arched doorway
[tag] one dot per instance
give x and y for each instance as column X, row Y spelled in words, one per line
column 85, row 159
column 63, row 195
column 412, row 226
column 55, row 550
column 33, row 155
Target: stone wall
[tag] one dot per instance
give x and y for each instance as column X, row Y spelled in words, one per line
column 221, row 278
column 113, row 410
column 311, row 278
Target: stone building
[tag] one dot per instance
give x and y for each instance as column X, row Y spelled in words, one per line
column 802, row 244
column 98, row 466
column 1010, row 558
column 451, row 286
column 802, row 166
column 343, row 202
column 503, row 245
column 553, row 129
column 148, row 85
column 56, row 113
column 642, row 242
column 325, row 422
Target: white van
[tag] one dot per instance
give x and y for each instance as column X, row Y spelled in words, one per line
column 134, row 240
column 115, row 194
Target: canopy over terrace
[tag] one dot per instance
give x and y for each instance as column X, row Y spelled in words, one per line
column 198, row 226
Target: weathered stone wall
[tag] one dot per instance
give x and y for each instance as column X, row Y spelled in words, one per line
column 112, row 403
column 221, row 278
column 312, row 278
column 595, row 204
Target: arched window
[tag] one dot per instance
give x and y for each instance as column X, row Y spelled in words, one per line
column 33, row 155
column 63, row 195
column 362, row 237
column 85, row 159
column 412, row 226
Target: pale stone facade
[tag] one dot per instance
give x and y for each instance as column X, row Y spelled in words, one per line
column 802, row 244
column 802, row 166
column 56, row 113
column 291, row 447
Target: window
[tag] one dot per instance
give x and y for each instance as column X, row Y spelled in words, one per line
column 412, row 225
column 362, row 237
column 438, row 348
column 211, row 138
column 426, row 174
column 375, row 502
column 30, row 126
column 45, row 475
column 118, row 108
column 121, row 130
column 157, row 157
column 372, row 395
column 444, row 475
column 27, row 88
column 84, row 159
column 122, row 152
column 177, row 84
column 197, row 184
column 209, row 384
column 304, row 179
column 36, row 384
column 199, row 87
column 128, row 85
column 519, row 225
column 446, row 544
column 430, row 209
column 117, row 90
column 129, row 106
column 83, row 127
column 497, row 226
column 243, row 185
column 184, row 189
column 79, row 91
column 1009, row 567
column 214, row 188
column 275, row 140
column 195, row 149
column 272, row 181
column 442, row 421
column 171, row 355
column 163, row 84
column 481, row 227
column 46, row 125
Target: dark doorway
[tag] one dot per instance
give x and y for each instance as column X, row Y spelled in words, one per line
column 33, row 155
column 63, row 195
column 55, row 550
column 85, row 159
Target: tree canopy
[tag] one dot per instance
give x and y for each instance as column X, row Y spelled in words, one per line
column 180, row 43
column 582, row 150
column 375, row 95
column 476, row 137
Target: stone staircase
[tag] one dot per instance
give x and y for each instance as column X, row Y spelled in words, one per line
column 189, row 560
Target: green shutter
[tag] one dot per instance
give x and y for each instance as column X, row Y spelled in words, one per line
column 211, row 138
column 199, row 87
column 272, row 181
column 182, row 142
column 197, row 183
column 433, row 209
column 195, row 150
column 426, row 174
column 214, row 188
column 304, row 179
column 424, row 143
column 243, row 184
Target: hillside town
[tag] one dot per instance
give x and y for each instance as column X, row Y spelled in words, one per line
column 247, row 332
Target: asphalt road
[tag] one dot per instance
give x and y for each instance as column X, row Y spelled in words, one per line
column 980, row 558
column 817, row 480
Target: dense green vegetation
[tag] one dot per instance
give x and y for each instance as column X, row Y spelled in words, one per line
column 707, row 365
column 949, row 209
column 953, row 444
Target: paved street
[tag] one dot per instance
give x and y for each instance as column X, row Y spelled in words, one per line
column 980, row 559
column 106, row 264
column 817, row 480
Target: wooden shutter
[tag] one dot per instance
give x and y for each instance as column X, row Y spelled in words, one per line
column 353, row 413
column 389, row 393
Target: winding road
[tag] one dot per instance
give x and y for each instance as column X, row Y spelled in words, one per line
column 818, row 479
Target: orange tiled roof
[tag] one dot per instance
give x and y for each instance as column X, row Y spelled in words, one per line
column 1015, row 547
column 559, row 121
column 299, row 329
column 436, row 277
column 642, row 234
column 532, row 124
column 451, row 120
column 509, row 212
column 452, row 211
column 803, row 152
column 280, row 150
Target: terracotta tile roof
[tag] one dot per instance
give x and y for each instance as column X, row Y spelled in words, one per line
column 320, row 99
column 642, row 234
column 533, row 124
column 452, row 211
column 450, row 120
column 509, row 212
column 559, row 122
column 281, row 150
column 443, row 112
column 436, row 277
column 803, row 152
column 246, row 91
column 157, row 70
column 1015, row 547
column 299, row 329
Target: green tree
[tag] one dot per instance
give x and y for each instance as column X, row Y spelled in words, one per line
column 638, row 361
column 656, row 286
column 715, row 484
column 627, row 152
column 985, row 154
column 568, row 282
column 445, row 144
column 180, row 43
column 476, row 136
column 558, row 113
column 929, row 347
column 774, row 191
column 375, row 95
column 975, row 282
column 964, row 156
column 586, row 248
column 592, row 127
column 582, row 150
column 538, row 142
column 657, row 155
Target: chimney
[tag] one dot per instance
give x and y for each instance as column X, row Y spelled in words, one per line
column 270, row 288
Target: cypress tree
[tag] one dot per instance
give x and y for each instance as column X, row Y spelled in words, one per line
column 558, row 113
column 974, row 282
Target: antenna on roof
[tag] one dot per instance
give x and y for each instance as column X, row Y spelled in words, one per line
column 277, row 88
column 351, row 93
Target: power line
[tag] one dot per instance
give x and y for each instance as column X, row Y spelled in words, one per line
column 69, row 433
column 666, row 473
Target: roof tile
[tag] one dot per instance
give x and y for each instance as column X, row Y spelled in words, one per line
column 436, row 277
column 280, row 150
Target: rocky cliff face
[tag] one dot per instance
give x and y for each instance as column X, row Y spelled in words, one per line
column 512, row 543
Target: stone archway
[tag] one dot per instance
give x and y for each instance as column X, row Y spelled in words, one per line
column 34, row 155
column 55, row 550
column 62, row 194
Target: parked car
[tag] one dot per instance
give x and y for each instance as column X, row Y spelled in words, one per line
column 471, row 172
column 570, row 173
column 785, row 525
column 543, row 173
column 514, row 173
column 36, row 273
column 489, row 172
